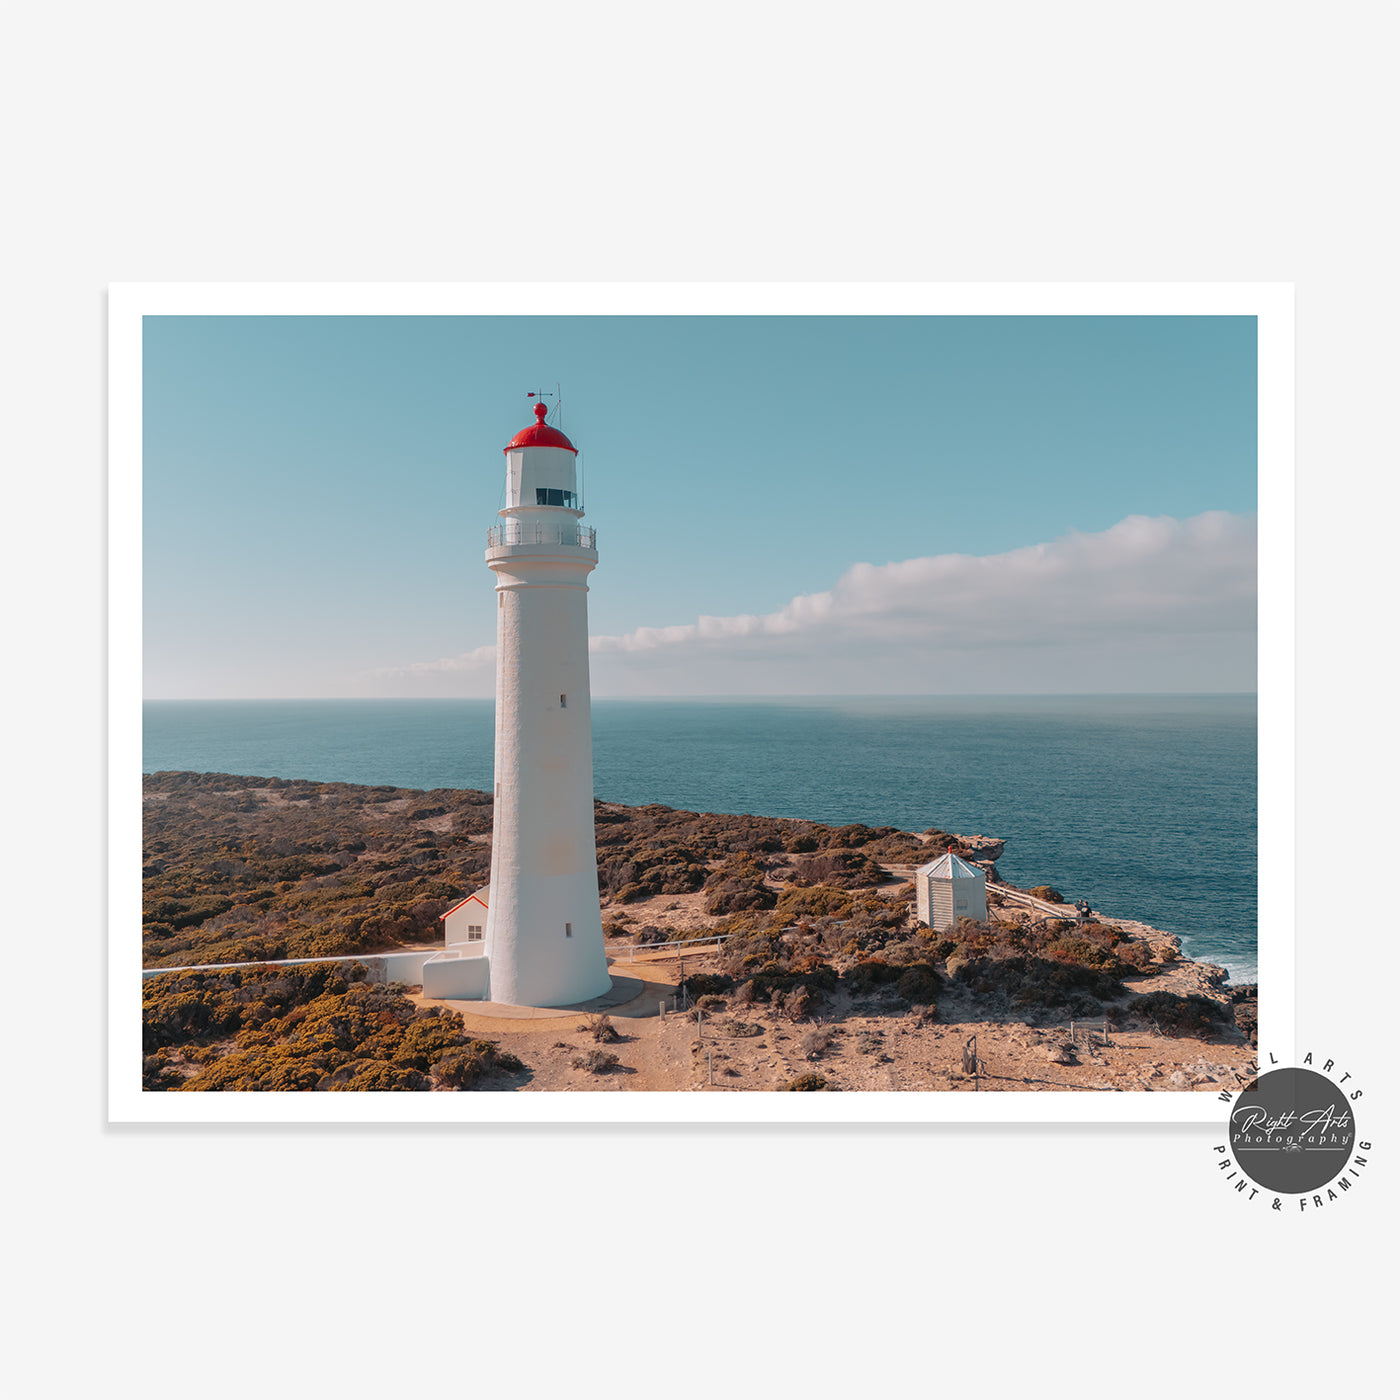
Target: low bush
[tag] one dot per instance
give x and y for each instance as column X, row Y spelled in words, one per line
column 1192, row 1014
column 465, row 1067
column 1105, row 934
column 1136, row 956
column 796, row 1005
column 869, row 976
column 844, row 869
column 321, row 1026
column 373, row 1076
column 918, row 984
column 733, row 1029
column 1030, row 982
column 1082, row 951
column 702, row 984
column 738, row 886
column 601, row 1029
column 804, row 1083
column 810, row 902
column 595, row 1061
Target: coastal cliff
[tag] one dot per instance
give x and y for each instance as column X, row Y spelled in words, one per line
column 815, row 921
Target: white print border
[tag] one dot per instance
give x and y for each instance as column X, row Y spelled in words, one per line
column 1271, row 303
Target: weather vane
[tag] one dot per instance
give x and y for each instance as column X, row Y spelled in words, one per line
column 542, row 395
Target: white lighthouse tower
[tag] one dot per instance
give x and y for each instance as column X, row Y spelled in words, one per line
column 544, row 932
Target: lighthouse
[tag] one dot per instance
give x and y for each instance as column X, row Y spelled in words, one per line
column 544, row 932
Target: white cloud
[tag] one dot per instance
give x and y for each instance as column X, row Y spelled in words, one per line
column 471, row 673
column 1150, row 604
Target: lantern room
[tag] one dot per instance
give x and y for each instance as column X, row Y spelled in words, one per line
column 541, row 469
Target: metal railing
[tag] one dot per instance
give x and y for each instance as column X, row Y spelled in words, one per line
column 570, row 535
column 1018, row 897
column 665, row 947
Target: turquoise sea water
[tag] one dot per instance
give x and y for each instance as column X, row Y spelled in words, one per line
column 1145, row 805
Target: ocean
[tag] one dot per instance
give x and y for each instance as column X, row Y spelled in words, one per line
column 1144, row 805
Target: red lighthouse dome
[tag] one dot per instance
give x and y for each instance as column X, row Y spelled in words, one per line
column 540, row 434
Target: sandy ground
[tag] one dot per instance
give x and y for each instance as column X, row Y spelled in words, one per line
column 869, row 1046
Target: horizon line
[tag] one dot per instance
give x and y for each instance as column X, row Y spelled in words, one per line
column 767, row 695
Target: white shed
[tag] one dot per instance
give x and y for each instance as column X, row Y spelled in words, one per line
column 949, row 889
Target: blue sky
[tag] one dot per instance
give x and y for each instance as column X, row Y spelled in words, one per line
column 855, row 504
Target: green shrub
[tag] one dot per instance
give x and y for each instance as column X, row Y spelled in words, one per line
column 869, row 975
column 1082, row 951
column 1192, row 1014
column 463, row 1068
column 814, row 901
column 1106, row 934
column 737, row 886
column 1137, row 955
column 427, row 1038
column 1031, row 982
column 918, row 984
column 844, row 869
column 857, row 834
column 702, row 984
column 372, row 1076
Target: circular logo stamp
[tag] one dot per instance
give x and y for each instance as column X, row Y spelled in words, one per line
column 1292, row 1130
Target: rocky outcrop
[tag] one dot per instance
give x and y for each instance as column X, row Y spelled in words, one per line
column 981, row 848
column 1244, row 1002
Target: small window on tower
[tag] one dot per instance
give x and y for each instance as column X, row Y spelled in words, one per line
column 568, row 930
column 563, row 702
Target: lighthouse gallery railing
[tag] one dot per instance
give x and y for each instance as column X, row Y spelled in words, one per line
column 579, row 536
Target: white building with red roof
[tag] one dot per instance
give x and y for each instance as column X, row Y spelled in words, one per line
column 465, row 922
